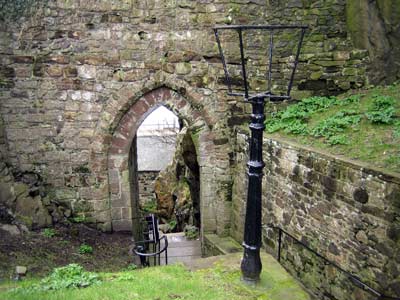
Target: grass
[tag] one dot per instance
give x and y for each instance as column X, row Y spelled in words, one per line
column 361, row 125
column 170, row 282
column 220, row 282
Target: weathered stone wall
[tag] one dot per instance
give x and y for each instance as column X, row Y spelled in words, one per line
column 146, row 185
column 77, row 78
column 346, row 211
column 72, row 73
column 374, row 26
column 3, row 141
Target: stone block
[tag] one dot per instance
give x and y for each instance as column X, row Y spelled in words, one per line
column 126, row 213
column 54, row 71
column 10, row 229
column 7, row 195
column 105, row 227
column 122, row 225
column 70, row 71
column 21, row 270
column 86, row 71
column 116, row 213
column 20, row 189
column 209, row 225
column 183, row 68
column 96, row 5
column 32, row 213
column 102, row 216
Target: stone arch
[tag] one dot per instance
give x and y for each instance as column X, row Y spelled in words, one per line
column 136, row 100
column 123, row 200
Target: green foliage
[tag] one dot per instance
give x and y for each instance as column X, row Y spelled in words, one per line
column 70, row 276
column 353, row 99
column 382, row 102
column 339, row 139
column 172, row 224
column 337, row 123
column 294, row 118
column 220, row 281
column 191, row 232
column 382, row 110
column 85, row 249
column 49, row 232
column 296, row 127
column 131, row 267
column 318, row 104
column 79, row 219
column 149, row 207
column 381, row 116
column 363, row 126
column 396, row 130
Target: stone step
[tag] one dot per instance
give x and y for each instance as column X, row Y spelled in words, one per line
column 215, row 245
column 181, row 250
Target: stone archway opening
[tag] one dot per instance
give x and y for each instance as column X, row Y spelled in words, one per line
column 177, row 188
column 167, row 171
column 123, row 166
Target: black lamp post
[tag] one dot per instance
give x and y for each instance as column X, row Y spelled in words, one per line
column 251, row 262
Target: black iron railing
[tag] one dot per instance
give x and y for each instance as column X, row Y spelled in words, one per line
column 355, row 280
column 150, row 246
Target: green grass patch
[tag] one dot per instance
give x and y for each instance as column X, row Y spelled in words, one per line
column 362, row 125
column 167, row 282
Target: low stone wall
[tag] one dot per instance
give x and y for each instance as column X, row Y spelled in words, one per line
column 348, row 212
column 146, row 185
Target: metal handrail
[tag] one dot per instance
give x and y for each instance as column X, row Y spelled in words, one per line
column 353, row 278
column 153, row 254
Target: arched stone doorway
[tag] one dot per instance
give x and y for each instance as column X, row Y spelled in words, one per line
column 168, row 176
column 121, row 179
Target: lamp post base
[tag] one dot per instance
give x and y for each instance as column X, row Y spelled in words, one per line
column 251, row 265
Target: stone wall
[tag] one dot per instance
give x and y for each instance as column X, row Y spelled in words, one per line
column 346, row 211
column 77, row 77
column 374, row 26
column 3, row 141
column 146, row 186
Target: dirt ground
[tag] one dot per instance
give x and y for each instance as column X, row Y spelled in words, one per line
column 40, row 254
